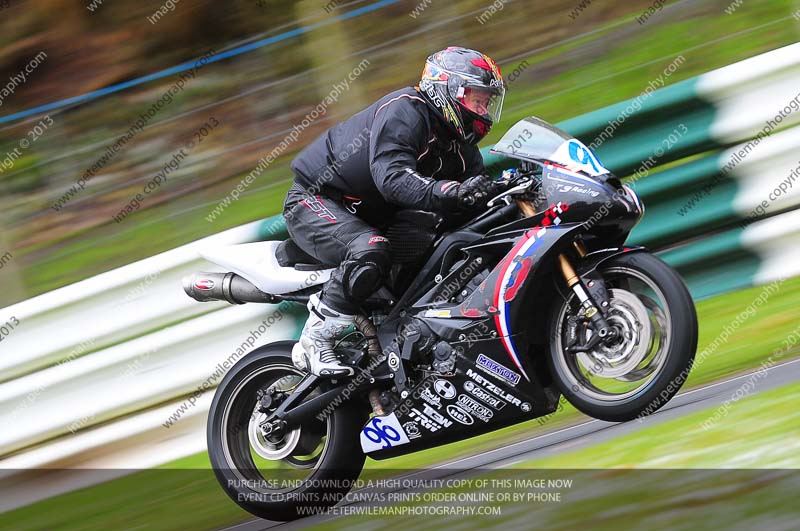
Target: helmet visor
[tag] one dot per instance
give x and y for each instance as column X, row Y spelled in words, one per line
column 485, row 102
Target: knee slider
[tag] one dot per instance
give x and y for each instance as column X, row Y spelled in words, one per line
column 363, row 276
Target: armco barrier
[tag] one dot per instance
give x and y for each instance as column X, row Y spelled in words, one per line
column 116, row 372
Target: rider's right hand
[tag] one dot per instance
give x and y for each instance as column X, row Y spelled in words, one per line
column 473, row 192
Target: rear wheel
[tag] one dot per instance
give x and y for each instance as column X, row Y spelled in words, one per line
column 656, row 322
column 287, row 475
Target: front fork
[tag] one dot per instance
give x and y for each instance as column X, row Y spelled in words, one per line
column 587, row 291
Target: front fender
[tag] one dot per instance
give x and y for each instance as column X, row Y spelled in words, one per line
column 591, row 261
column 592, row 282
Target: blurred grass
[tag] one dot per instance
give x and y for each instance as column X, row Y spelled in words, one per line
column 758, row 431
column 184, row 494
column 604, row 68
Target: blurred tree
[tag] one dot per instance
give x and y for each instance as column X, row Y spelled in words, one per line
column 329, row 49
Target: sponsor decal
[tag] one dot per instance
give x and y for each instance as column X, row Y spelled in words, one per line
column 459, row 415
column 471, row 312
column 438, row 313
column 433, row 73
column 502, row 372
column 476, row 408
column 525, row 406
column 428, row 396
column 382, row 432
column 445, row 389
column 377, row 239
column 436, row 417
column 484, row 395
column 315, row 204
column 432, row 94
column 430, row 419
column 204, row 284
column 577, row 189
column 442, row 105
column 493, row 388
column 423, row 421
column 412, row 430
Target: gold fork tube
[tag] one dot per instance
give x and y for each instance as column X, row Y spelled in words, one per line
column 567, row 270
column 526, row 208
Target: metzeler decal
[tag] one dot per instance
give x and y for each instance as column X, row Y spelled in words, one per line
column 497, row 391
column 490, row 366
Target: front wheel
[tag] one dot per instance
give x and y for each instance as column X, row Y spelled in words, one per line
column 298, row 472
column 656, row 322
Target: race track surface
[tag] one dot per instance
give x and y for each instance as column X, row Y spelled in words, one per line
column 569, row 438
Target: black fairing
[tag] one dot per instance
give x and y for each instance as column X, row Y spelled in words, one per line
column 601, row 202
column 487, row 290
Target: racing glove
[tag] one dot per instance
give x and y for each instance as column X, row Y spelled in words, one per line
column 473, row 192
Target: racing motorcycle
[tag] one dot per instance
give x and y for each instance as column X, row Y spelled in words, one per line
column 478, row 327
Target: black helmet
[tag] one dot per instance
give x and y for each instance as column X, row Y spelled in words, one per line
column 466, row 89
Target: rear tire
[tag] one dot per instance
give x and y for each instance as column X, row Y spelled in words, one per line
column 340, row 461
column 677, row 356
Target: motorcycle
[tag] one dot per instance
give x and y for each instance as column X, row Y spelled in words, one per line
column 478, row 327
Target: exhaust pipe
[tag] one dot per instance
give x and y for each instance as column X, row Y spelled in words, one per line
column 229, row 287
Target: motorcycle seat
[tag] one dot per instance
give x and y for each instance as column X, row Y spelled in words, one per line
column 258, row 264
column 289, row 254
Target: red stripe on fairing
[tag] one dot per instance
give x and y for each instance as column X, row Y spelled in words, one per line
column 472, row 312
column 508, row 261
column 500, row 331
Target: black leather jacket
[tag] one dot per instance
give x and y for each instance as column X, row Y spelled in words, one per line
column 394, row 154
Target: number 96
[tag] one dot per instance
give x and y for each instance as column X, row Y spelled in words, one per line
column 381, row 434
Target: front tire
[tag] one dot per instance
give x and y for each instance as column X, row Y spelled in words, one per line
column 630, row 380
column 281, row 487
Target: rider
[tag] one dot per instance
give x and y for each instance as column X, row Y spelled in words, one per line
column 414, row 148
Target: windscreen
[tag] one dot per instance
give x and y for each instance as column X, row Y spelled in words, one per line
column 535, row 140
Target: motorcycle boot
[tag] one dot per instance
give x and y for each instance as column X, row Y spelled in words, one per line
column 314, row 350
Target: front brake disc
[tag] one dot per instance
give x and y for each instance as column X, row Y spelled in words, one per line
column 629, row 315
